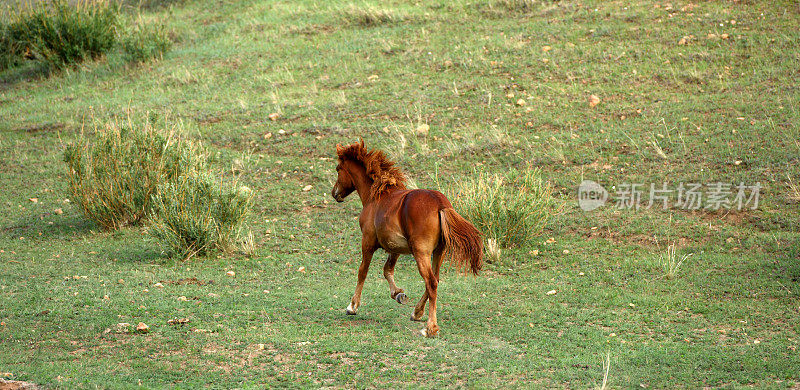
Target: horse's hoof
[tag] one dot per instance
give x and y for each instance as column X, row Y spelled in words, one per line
column 415, row 318
column 429, row 334
column 350, row 310
column 401, row 298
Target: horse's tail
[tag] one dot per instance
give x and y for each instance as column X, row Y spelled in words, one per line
column 463, row 243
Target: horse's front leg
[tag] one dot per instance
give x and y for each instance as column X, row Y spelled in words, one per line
column 367, row 250
column 388, row 272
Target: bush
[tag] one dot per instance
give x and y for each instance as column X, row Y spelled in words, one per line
column 11, row 51
column 511, row 209
column 59, row 34
column 141, row 43
column 113, row 176
column 197, row 214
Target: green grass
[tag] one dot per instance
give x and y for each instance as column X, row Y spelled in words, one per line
column 450, row 65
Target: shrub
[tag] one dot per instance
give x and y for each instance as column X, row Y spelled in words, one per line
column 113, row 173
column 142, row 43
column 197, row 214
column 510, row 209
column 60, row 34
column 11, row 51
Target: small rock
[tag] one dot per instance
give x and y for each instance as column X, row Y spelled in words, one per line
column 551, row 292
column 302, row 269
column 594, row 100
column 546, row 48
column 58, row 211
column 274, row 116
column 158, row 285
column 212, row 295
column 34, row 200
column 566, row 251
column 142, row 328
column 307, row 188
column 183, row 298
column 521, row 102
column 230, row 273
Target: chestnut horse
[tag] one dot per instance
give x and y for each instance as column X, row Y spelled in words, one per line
column 401, row 221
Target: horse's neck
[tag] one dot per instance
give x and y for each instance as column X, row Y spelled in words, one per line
column 363, row 184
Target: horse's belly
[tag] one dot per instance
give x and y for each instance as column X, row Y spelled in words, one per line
column 394, row 243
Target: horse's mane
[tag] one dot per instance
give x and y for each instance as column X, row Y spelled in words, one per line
column 384, row 174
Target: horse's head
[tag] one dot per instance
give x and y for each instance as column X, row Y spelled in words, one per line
column 344, row 183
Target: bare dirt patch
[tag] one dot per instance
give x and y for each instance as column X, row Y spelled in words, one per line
column 17, row 385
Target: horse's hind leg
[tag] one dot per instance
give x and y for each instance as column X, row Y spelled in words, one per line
column 388, row 272
column 436, row 260
column 431, row 283
column 366, row 257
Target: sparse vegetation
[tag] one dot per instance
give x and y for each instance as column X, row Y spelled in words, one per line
column 511, row 208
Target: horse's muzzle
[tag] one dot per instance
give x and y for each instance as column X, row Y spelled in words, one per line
column 335, row 194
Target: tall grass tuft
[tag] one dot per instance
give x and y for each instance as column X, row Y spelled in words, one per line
column 197, row 214
column 143, row 42
column 510, row 209
column 369, row 16
column 671, row 262
column 113, row 173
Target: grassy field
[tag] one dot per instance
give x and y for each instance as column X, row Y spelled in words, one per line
column 689, row 92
